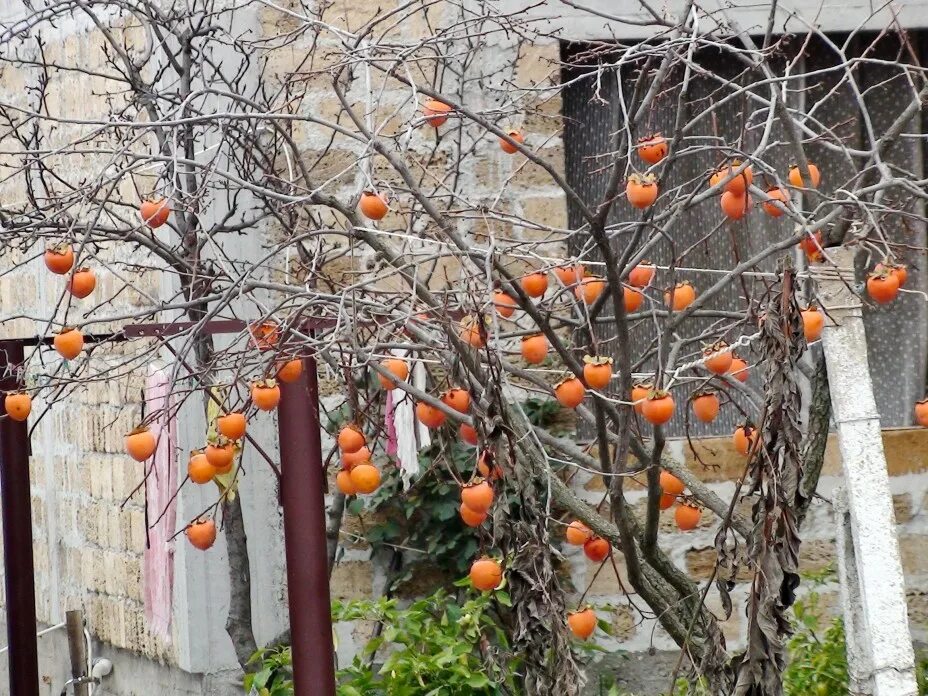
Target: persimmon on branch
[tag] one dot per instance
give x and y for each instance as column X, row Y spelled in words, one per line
column 192, row 162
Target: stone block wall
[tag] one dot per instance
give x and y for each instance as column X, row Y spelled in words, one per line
column 87, row 496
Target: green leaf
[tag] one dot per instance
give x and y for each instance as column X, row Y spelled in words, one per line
column 477, row 681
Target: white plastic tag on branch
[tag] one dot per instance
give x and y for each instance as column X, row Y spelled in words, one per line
column 406, row 434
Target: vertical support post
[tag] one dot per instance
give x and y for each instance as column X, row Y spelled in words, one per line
column 77, row 650
column 883, row 626
column 859, row 662
column 16, row 507
column 302, row 495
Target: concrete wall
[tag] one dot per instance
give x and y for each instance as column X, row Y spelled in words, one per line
column 627, row 19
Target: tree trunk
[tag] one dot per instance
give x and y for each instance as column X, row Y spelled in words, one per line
column 238, row 621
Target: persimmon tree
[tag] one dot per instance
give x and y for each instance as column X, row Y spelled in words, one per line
column 201, row 154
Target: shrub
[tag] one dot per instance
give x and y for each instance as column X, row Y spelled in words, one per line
column 436, row 646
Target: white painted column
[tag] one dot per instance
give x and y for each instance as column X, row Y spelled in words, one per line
column 875, row 609
column 859, row 661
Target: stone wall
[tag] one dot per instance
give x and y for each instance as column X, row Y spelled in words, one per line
column 87, row 495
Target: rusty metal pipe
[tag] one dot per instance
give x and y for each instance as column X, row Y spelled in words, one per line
column 302, row 494
column 16, row 508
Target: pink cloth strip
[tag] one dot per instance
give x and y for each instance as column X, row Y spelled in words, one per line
column 160, row 486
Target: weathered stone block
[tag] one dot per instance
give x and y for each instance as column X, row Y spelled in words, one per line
column 352, row 580
column 546, row 211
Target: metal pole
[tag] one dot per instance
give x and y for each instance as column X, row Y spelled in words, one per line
column 16, row 507
column 302, row 495
column 77, row 649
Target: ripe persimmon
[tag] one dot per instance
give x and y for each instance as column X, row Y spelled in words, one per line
column 921, row 413
column 471, row 332
column 265, row 394
column 220, row 454
column 199, row 470
column 350, row 439
column 265, row 334
column 436, row 112
column 811, row 245
column 504, row 304
column 59, row 259
column 632, row 299
column 344, row 483
column 796, row 178
column 232, row 425
column 642, row 275
column 290, row 371
column 582, row 623
column 596, row 549
column 365, row 477
column 395, row 366
column 717, row 358
column 671, row 484
column 69, row 343
column 900, row 270
column 468, row 434
column 487, row 467
column 18, row 405
column 706, row 406
column 535, row 348
column 350, row 459
column 477, row 495
column 667, row 500
column 744, row 438
column 570, row 392
column 779, row 198
column 82, row 283
column 735, row 206
column 373, row 205
column 597, row 372
column 738, row 185
column 652, row 148
column 883, row 286
column 508, row 147
column 641, row 190
column 577, row 533
column 429, row 415
column 535, row 284
column 658, row 408
column 589, row 289
column 140, row 443
column 485, row 574
column 687, row 516
column 680, row 296
column 471, row 518
column 155, row 212
column 739, row 369
column 639, row 393
column 813, row 321
column 457, row 398
column 201, row 534
column 569, row 274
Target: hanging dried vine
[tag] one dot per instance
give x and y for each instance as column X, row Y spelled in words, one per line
column 774, row 476
column 539, row 632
